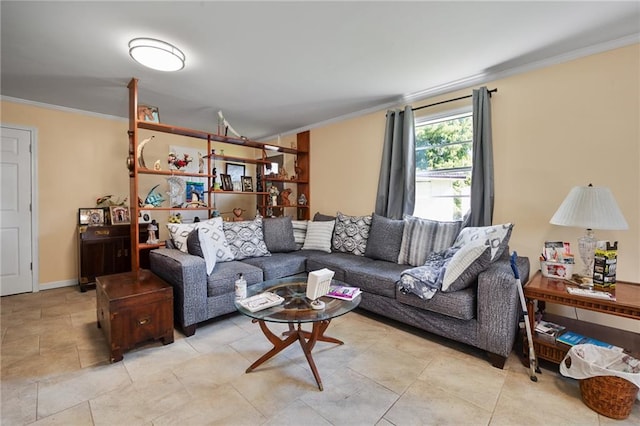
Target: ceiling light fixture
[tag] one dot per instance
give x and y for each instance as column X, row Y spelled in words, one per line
column 156, row 54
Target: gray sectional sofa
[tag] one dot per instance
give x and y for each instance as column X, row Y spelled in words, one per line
column 485, row 314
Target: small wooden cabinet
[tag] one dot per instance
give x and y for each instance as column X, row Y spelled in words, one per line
column 132, row 308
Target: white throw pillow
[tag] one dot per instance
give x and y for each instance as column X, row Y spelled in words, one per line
column 208, row 250
column 299, row 232
column 465, row 266
column 179, row 233
column 496, row 236
column 319, row 236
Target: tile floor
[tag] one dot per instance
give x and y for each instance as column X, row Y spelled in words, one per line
column 55, row 371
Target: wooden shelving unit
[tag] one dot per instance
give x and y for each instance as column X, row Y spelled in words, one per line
column 261, row 159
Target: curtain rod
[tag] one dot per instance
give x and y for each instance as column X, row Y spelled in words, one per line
column 451, row 100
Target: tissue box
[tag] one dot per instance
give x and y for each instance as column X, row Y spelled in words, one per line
column 556, row 269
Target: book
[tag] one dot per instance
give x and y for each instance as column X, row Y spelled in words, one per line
column 572, row 338
column 548, row 331
column 343, row 292
column 261, row 301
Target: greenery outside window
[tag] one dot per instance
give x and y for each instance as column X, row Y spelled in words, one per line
column 443, row 165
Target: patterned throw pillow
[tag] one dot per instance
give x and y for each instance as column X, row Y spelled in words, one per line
column 299, row 232
column 319, row 236
column 423, row 236
column 465, row 266
column 179, row 233
column 246, row 238
column 496, row 235
column 350, row 234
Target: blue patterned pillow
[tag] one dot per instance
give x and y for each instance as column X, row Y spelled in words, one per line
column 246, row 238
column 350, row 234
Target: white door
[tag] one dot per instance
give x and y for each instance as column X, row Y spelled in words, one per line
column 16, row 275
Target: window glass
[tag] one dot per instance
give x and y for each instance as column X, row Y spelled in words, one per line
column 443, row 166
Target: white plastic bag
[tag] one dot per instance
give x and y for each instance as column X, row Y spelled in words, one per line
column 585, row 361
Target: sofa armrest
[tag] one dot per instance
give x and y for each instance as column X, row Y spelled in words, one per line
column 187, row 274
column 499, row 306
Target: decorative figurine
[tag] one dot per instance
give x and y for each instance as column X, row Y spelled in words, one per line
column 154, row 199
column 237, row 212
column 302, row 200
column 200, row 163
column 175, row 218
column 273, row 195
column 284, row 197
column 140, row 153
column 178, row 163
column 152, row 237
column 157, row 166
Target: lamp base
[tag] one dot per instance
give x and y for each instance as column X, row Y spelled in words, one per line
column 587, row 248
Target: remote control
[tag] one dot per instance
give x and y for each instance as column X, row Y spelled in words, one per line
column 590, row 293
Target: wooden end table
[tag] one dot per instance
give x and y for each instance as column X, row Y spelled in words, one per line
column 627, row 305
column 134, row 307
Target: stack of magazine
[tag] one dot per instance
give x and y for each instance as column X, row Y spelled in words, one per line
column 548, row 331
column 343, row 292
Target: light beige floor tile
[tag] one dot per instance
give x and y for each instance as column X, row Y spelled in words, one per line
column 295, row 414
column 223, row 406
column 18, row 403
column 140, row 402
column 25, row 346
column 426, row 404
column 68, row 390
column 466, row 377
column 214, row 335
column 77, row 415
column 155, row 357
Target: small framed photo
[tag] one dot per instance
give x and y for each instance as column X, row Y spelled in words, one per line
column 120, row 215
column 227, row 184
column 148, row 113
column 91, row 216
column 247, row 184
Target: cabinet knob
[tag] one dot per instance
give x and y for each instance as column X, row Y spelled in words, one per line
column 144, row 321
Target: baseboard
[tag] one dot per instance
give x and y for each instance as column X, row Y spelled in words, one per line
column 58, row 284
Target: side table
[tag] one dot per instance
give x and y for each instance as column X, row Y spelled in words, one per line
column 627, row 304
column 134, row 307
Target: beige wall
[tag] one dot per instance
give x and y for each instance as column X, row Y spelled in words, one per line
column 554, row 128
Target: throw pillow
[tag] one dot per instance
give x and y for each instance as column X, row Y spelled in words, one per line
column 465, row 266
column 299, row 232
column 350, row 234
column 423, row 236
column 179, row 233
column 278, row 234
column 200, row 244
column 385, row 238
column 319, row 217
column 246, row 238
column 496, row 235
column 319, row 236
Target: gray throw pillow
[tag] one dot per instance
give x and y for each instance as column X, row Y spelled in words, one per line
column 385, row 238
column 193, row 244
column 319, row 217
column 246, row 238
column 278, row 234
column 423, row 236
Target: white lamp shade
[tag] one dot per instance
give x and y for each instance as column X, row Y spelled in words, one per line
column 590, row 207
column 156, row 54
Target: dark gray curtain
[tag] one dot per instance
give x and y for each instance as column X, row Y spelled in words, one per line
column 482, row 192
column 397, row 182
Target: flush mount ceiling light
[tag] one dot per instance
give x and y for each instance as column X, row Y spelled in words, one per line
column 156, row 54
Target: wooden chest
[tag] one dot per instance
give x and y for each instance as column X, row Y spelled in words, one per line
column 132, row 308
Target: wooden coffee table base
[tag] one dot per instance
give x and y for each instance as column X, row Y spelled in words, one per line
column 307, row 342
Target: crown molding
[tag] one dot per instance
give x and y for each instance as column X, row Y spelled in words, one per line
column 60, row 108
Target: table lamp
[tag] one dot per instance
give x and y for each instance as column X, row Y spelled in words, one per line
column 590, row 207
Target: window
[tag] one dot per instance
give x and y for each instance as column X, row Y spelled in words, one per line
column 443, row 166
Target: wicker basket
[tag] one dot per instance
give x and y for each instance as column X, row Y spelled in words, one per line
column 610, row 396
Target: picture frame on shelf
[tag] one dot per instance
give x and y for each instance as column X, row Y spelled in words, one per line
column 227, row 183
column 247, row 184
column 148, row 113
column 236, row 171
column 91, row 216
column 120, row 215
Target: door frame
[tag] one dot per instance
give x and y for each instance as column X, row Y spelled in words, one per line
column 35, row 259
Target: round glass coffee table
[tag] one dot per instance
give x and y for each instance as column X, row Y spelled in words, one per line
column 295, row 310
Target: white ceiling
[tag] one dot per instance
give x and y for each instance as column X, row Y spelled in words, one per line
column 278, row 67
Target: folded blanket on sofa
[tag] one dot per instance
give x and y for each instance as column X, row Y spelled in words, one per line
column 424, row 281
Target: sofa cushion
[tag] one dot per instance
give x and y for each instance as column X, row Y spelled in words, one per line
column 225, row 274
column 319, row 217
column 465, row 266
column 319, row 236
column 337, row 262
column 279, row 265
column 350, row 234
column 377, row 277
column 496, row 235
column 459, row 304
column 423, row 236
column 278, row 234
column 246, row 238
column 299, row 232
column 385, row 238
